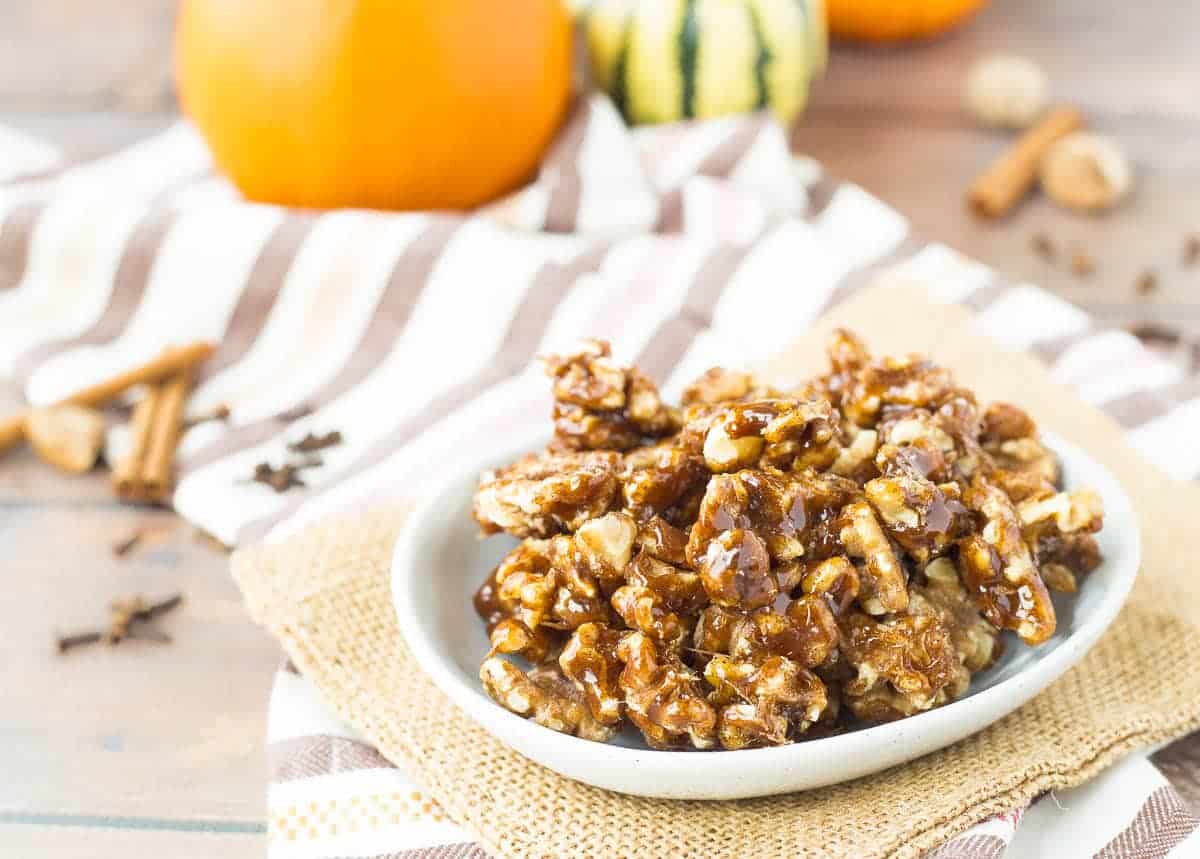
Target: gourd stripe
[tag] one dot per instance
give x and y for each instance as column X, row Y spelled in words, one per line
column 763, row 59
column 689, row 42
column 620, row 87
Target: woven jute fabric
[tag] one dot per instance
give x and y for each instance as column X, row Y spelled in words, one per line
column 326, row 595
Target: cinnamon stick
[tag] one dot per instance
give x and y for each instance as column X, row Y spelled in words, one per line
column 166, row 426
column 170, row 362
column 127, row 476
column 1007, row 179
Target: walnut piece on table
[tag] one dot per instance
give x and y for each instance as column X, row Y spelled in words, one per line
column 765, row 566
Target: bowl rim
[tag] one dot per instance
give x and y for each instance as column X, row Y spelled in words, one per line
column 408, row 560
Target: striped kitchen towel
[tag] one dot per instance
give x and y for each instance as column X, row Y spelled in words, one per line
column 414, row 335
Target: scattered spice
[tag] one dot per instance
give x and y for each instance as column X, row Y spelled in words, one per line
column 127, row 474
column 1146, row 283
column 1082, row 264
column 1007, row 179
column 128, row 618
column 301, row 410
column 1044, row 247
column 1086, row 172
column 127, row 543
column 1191, row 249
column 170, row 362
column 312, row 443
column 281, row 478
column 217, row 413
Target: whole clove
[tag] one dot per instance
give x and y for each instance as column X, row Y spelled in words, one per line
column 1146, row 283
column 1044, row 247
column 127, row 543
column 129, row 617
column 281, row 478
column 218, row 413
column 312, row 443
column 1082, row 264
column 1191, row 249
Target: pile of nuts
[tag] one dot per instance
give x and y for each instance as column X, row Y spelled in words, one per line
column 760, row 566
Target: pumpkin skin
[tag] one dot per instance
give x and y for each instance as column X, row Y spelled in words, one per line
column 419, row 104
column 667, row 60
column 896, row 20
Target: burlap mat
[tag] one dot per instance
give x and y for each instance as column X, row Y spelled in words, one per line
column 326, row 595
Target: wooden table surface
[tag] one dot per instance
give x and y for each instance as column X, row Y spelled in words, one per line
column 158, row 750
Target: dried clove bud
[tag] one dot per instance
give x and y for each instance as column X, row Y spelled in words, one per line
column 70, row 642
column 283, row 477
column 126, row 544
column 1191, row 249
column 1146, row 283
column 67, row 437
column 312, row 443
column 128, row 618
column 1082, row 264
column 1044, row 247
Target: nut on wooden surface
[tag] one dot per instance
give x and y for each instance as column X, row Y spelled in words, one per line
column 67, row 437
column 1006, row 91
column 1086, row 172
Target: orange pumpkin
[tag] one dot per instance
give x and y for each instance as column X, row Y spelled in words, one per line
column 419, row 104
column 896, row 20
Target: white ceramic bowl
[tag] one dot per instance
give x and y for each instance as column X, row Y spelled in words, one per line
column 439, row 562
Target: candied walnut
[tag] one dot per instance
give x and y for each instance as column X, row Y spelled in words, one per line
column 644, row 609
column 912, row 381
column 660, row 539
column 719, row 385
column 784, row 510
column 916, row 513
column 681, row 589
column 590, row 660
column 835, row 579
column 513, row 637
column 883, row 580
column 913, row 443
column 664, row 480
column 805, row 632
column 997, row 567
column 544, row 696
column 538, row 496
column 1063, row 558
column 1025, row 455
column 488, row 604
column 976, row 641
column 599, row 405
column 714, row 632
column 663, row 697
column 1021, row 486
column 783, row 432
column 596, row 554
column 1064, row 512
column 736, row 571
column 904, row 666
column 526, row 583
column 1004, row 422
column 857, row 459
column 763, row 704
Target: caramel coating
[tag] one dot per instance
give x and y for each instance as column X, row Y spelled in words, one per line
column 599, row 405
column 766, row 566
column 538, row 496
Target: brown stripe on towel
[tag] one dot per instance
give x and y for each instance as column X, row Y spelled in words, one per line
column 129, row 285
column 321, row 754
column 525, row 332
column 16, row 237
column 410, row 273
column 262, row 288
column 970, row 847
column 562, row 210
column 670, row 341
column 1161, row 825
column 1142, row 407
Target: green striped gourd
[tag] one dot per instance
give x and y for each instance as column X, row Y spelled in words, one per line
column 665, row 60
